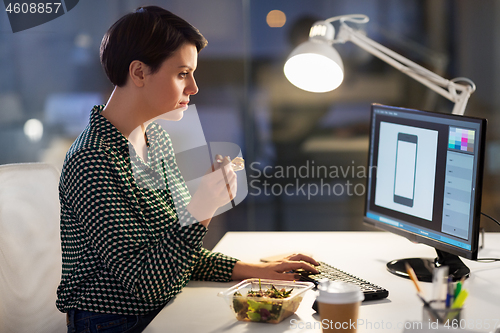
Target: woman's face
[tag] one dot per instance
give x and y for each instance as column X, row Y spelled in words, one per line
column 169, row 88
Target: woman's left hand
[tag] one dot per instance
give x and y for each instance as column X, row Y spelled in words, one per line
column 283, row 269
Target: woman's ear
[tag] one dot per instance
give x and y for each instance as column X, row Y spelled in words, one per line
column 137, row 72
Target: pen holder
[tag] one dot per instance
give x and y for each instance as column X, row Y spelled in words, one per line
column 437, row 311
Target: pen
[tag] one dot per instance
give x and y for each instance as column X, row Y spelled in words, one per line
column 438, row 281
column 459, row 301
column 457, row 289
column 457, row 304
column 413, row 276
column 449, row 293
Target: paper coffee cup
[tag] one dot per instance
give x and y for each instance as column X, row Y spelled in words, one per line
column 338, row 305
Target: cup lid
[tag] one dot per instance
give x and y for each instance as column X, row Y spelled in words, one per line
column 337, row 292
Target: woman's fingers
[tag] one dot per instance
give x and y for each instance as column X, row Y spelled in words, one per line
column 302, row 257
column 286, row 266
column 220, row 186
column 286, row 276
column 230, row 179
column 273, row 272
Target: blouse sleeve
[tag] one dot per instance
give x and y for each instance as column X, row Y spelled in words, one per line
column 213, row 266
column 148, row 267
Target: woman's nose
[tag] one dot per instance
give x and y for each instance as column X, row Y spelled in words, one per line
column 191, row 88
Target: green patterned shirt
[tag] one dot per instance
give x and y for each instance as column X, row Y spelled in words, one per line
column 124, row 250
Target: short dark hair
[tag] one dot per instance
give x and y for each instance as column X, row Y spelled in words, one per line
column 149, row 34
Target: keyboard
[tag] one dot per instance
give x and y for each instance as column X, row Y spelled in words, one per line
column 370, row 290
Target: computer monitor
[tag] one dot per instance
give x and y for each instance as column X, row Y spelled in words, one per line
column 424, row 183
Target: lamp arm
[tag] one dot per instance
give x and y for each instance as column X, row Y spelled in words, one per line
column 457, row 93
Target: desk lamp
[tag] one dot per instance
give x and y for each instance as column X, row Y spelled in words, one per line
column 316, row 66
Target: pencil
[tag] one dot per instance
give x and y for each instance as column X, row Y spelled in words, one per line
column 413, row 276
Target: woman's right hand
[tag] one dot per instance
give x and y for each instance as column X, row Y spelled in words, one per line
column 217, row 188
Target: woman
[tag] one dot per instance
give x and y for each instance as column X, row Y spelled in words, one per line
column 132, row 240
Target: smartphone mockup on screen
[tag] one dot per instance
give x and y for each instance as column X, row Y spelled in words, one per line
column 406, row 165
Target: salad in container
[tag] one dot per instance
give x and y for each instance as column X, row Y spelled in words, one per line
column 267, row 301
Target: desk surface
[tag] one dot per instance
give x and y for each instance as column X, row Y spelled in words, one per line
column 365, row 254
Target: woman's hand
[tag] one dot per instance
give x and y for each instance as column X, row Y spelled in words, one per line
column 217, row 188
column 276, row 270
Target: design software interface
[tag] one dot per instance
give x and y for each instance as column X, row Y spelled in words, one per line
column 425, row 168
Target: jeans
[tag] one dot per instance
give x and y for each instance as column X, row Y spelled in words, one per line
column 79, row 321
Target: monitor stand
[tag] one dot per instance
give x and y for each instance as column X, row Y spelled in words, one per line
column 424, row 267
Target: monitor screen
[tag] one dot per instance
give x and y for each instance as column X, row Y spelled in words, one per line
column 425, row 176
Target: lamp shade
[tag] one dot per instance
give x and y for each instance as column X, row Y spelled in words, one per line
column 314, row 66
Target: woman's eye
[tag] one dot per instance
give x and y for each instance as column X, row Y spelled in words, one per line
column 183, row 75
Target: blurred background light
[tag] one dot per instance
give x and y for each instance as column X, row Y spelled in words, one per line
column 33, row 129
column 276, row 18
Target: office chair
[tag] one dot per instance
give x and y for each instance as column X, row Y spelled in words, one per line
column 30, row 249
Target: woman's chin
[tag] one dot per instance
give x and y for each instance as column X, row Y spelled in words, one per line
column 174, row 115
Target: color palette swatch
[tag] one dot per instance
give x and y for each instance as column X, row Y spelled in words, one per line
column 461, row 139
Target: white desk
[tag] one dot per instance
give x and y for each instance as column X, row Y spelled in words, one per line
column 198, row 309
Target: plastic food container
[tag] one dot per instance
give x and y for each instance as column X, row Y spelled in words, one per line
column 265, row 308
